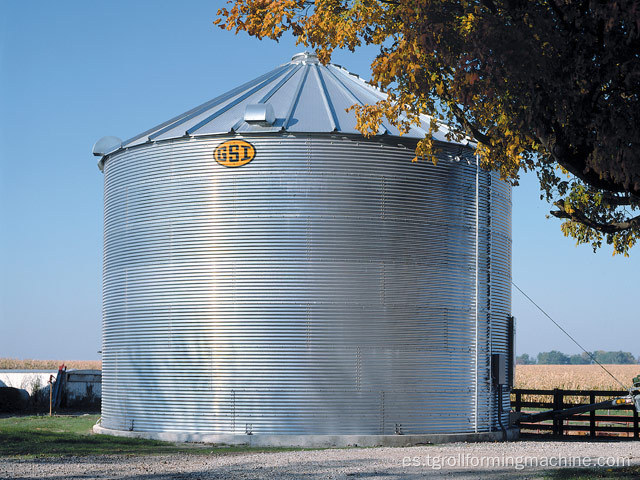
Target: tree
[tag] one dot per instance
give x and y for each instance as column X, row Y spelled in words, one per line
column 554, row 357
column 614, row 358
column 580, row 359
column 551, row 86
column 525, row 359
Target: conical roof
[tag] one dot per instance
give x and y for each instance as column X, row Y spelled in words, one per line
column 302, row 96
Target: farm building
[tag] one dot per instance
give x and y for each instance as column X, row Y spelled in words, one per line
column 270, row 274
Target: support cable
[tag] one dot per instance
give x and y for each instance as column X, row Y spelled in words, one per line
column 568, row 335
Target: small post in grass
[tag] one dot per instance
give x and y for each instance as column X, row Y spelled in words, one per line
column 50, row 395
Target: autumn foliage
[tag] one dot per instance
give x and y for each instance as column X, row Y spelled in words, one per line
column 550, row 86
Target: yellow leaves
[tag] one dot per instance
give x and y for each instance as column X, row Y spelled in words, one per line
column 454, row 61
column 566, row 227
column 623, row 242
column 467, row 23
column 394, row 110
column 589, row 219
column 259, row 18
column 426, row 149
column 369, row 118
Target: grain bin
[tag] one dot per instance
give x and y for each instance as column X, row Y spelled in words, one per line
column 271, row 275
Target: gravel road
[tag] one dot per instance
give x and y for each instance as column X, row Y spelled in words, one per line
column 461, row 461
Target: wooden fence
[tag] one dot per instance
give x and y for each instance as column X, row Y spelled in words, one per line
column 620, row 421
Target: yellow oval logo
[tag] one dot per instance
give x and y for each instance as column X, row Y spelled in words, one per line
column 234, row 153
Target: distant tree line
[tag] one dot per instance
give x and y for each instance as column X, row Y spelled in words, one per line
column 554, row 357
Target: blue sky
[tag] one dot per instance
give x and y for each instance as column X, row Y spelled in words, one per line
column 72, row 72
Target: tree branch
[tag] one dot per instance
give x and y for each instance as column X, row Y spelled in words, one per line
column 579, row 216
column 618, row 201
column 471, row 129
column 561, row 15
column 490, row 5
column 574, row 160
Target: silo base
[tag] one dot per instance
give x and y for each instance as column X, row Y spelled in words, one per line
column 316, row 441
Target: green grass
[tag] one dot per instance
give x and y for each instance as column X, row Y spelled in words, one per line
column 41, row 436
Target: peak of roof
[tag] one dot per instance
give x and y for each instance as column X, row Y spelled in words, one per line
column 301, row 96
column 307, row 57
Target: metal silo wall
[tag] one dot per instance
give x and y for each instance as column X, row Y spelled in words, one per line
column 499, row 281
column 330, row 286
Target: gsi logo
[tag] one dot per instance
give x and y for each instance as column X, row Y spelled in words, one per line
column 234, row 153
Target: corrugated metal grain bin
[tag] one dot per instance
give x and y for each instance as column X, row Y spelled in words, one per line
column 269, row 271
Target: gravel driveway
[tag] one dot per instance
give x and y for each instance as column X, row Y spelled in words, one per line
column 458, row 461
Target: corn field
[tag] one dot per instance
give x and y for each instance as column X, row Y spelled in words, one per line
column 572, row 377
column 541, row 377
column 28, row 364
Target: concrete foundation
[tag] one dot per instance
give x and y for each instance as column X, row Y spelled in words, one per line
column 317, row 441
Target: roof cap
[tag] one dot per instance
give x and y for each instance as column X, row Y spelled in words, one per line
column 307, row 57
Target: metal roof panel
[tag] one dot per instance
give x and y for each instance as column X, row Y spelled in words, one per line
column 306, row 96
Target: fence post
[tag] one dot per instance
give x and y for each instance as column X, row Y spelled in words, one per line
column 557, row 405
column 592, row 416
column 561, row 429
column 594, row 425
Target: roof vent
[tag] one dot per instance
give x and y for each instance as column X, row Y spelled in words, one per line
column 106, row 145
column 259, row 114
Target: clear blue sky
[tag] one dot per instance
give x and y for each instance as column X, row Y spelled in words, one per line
column 72, row 72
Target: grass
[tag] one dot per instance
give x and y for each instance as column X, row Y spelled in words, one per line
column 43, row 436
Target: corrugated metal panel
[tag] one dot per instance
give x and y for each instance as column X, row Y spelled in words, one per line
column 307, row 97
column 329, row 286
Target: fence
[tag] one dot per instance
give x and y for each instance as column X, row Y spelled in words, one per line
column 621, row 421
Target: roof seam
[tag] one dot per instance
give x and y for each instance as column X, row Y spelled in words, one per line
column 286, row 78
column 362, row 85
column 175, row 121
column 327, row 102
column 353, row 95
column 296, row 98
column 271, row 92
column 232, row 104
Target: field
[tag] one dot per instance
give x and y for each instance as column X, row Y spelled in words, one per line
column 15, row 364
column 568, row 377
column 574, row 377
